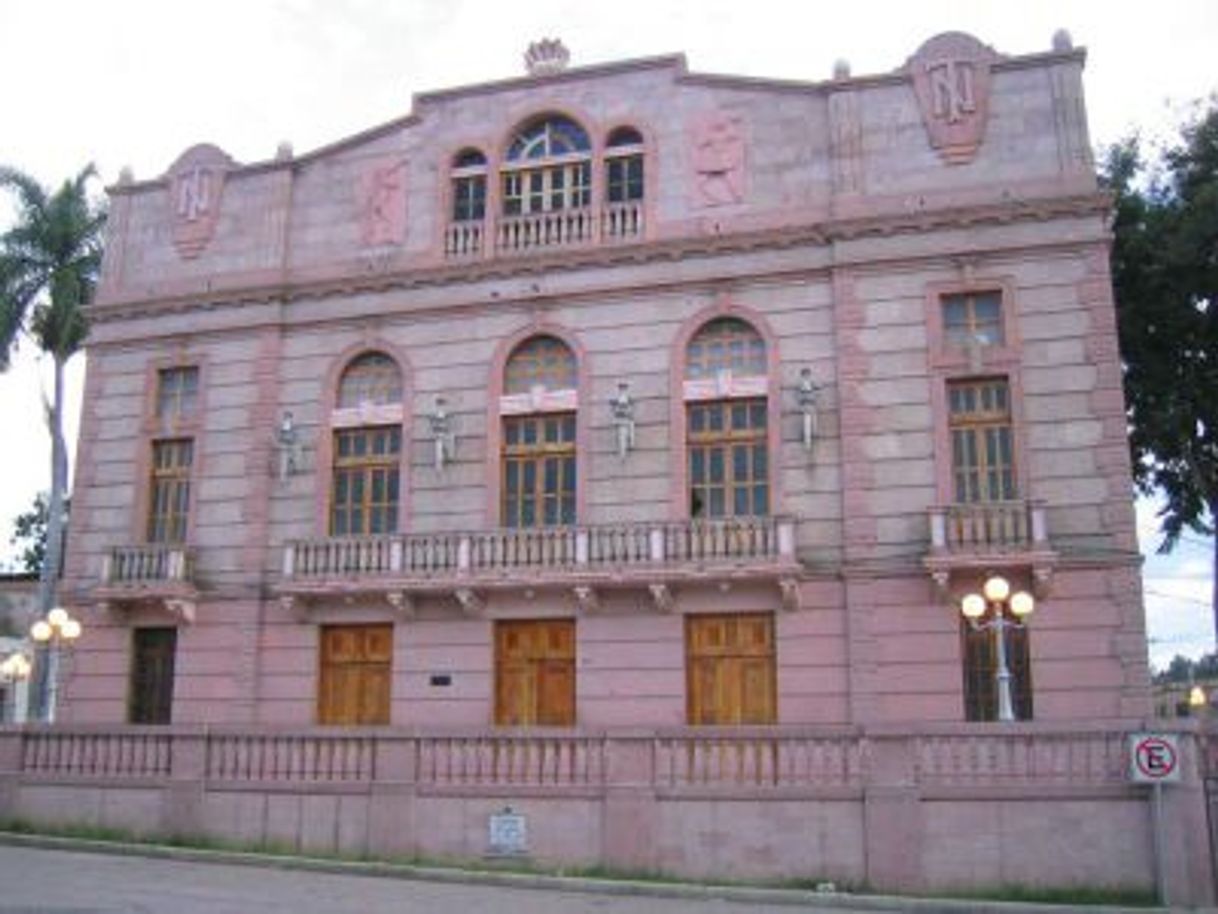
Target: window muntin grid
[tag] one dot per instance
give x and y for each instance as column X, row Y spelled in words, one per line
column 983, row 457
column 728, row 458
column 725, row 344
column 372, row 378
column 366, row 489
column 540, row 361
column 539, row 470
column 177, row 393
column 973, row 319
column 169, row 495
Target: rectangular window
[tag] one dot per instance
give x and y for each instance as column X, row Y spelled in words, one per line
column 539, row 470
column 169, row 502
column 469, row 198
column 150, row 693
column 549, row 189
column 983, row 458
column 973, row 319
column 728, row 458
column 366, row 490
column 535, row 673
column 730, row 669
column 980, row 667
column 177, row 393
column 356, row 667
column 624, row 179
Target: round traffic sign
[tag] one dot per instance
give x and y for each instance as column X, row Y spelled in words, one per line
column 1156, row 758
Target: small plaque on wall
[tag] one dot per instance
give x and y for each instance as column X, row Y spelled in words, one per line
column 508, row 833
column 440, row 679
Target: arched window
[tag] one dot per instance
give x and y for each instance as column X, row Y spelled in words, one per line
column 726, row 422
column 548, row 167
column 469, row 186
column 372, row 378
column 366, row 479
column 624, row 166
column 540, row 361
column 538, row 460
column 725, row 344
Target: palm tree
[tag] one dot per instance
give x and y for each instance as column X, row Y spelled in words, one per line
column 50, row 259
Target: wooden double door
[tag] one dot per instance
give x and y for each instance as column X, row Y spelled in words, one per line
column 535, row 673
column 729, row 662
column 356, row 666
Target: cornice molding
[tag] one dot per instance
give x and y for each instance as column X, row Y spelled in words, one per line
column 824, row 234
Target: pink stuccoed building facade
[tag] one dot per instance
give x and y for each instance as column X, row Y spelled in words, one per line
column 616, row 444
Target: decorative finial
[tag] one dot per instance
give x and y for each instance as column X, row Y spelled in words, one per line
column 283, row 152
column 546, row 57
column 1062, row 40
column 126, row 175
column 841, row 68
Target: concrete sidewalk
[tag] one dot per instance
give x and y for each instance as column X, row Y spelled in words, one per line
column 692, row 892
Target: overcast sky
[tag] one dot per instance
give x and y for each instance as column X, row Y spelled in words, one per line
column 135, row 82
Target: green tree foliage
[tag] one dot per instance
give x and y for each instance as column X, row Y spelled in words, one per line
column 50, row 258
column 1183, row 670
column 30, row 535
column 1165, row 276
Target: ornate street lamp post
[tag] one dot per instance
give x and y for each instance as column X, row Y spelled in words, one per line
column 58, row 630
column 996, row 596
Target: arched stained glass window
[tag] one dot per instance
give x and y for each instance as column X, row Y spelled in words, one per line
column 725, row 344
column 548, row 169
column 370, row 378
column 543, row 361
column 548, row 137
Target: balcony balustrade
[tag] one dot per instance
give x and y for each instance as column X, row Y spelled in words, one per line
column 990, row 536
column 161, row 574
column 654, row 555
column 617, row 222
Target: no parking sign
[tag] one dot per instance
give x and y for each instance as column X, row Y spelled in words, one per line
column 1154, row 758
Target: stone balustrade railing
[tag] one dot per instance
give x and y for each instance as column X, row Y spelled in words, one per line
column 544, row 231
column 494, row 759
column 747, row 758
column 989, row 527
column 148, row 564
column 325, row 758
column 626, row 545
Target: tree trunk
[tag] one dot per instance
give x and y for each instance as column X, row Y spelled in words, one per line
column 49, row 579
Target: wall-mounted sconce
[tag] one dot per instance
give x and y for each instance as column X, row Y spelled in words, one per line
column 623, row 419
column 291, row 452
column 443, row 433
column 806, row 395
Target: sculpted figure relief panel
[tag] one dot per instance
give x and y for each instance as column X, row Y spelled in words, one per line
column 718, row 151
column 381, row 193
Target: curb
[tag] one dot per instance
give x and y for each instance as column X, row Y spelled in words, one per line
column 506, row 879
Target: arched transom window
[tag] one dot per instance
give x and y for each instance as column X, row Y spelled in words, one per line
column 371, row 379
column 726, row 420
column 548, row 167
column 539, row 425
column 726, row 344
column 540, row 361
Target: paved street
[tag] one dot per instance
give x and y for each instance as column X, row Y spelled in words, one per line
column 64, row 882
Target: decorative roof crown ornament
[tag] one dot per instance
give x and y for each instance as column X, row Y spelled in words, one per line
column 546, row 57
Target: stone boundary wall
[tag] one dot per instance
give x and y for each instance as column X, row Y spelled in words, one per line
column 956, row 807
